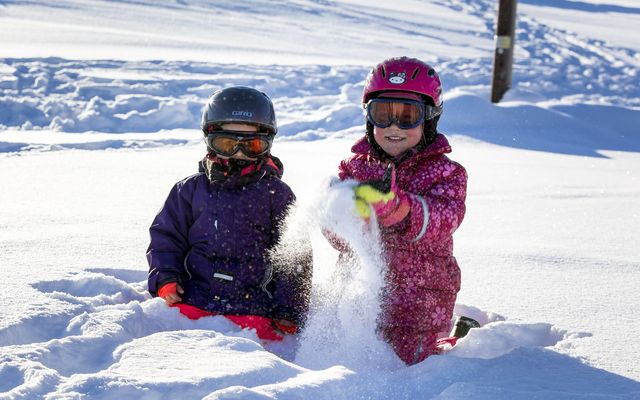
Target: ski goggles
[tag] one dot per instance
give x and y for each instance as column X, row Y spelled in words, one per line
column 405, row 113
column 228, row 143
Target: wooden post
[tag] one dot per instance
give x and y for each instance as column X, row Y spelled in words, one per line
column 503, row 58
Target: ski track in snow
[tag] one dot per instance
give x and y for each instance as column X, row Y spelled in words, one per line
column 117, row 97
column 558, row 77
column 312, row 103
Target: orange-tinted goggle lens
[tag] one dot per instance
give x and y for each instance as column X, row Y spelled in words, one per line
column 406, row 114
column 227, row 143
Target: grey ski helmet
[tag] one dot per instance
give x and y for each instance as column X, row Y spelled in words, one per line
column 239, row 104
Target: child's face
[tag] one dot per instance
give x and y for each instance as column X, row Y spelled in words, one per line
column 240, row 128
column 395, row 141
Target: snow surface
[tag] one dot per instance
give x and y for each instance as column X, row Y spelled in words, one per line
column 99, row 105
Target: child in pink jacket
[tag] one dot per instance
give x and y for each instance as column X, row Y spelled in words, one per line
column 418, row 204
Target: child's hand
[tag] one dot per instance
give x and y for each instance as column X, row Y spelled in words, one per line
column 367, row 195
column 171, row 292
column 389, row 203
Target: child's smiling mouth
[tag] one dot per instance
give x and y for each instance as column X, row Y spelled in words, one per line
column 395, row 138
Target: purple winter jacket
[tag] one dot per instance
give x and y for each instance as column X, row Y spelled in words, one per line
column 213, row 238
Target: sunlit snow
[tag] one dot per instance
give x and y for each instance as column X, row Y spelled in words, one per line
column 99, row 112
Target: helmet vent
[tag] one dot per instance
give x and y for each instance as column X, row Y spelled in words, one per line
column 431, row 72
column 383, row 72
column 415, row 73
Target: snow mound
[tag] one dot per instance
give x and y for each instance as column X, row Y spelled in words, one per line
column 116, row 342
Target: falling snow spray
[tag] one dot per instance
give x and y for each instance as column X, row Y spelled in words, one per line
column 345, row 303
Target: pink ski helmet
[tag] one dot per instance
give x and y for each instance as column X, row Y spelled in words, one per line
column 404, row 74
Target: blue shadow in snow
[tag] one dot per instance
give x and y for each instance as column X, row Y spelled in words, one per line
column 582, row 6
column 6, row 3
column 127, row 275
column 18, row 147
column 524, row 373
column 574, row 129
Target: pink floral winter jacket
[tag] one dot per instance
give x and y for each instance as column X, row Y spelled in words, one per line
column 423, row 276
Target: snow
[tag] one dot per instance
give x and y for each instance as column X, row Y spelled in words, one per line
column 264, row 32
column 608, row 20
column 99, row 106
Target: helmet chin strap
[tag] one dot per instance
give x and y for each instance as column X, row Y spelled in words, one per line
column 372, row 142
column 430, row 130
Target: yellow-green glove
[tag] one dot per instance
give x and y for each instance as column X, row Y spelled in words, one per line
column 390, row 204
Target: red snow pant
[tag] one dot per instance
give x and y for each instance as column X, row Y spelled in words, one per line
column 266, row 328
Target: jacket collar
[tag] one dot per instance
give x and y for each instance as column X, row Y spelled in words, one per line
column 232, row 173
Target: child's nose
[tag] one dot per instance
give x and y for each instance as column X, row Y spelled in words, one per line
column 240, row 154
column 395, row 125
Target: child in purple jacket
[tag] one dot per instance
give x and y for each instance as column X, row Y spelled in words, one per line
column 210, row 243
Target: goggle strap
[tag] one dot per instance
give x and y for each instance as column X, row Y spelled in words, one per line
column 431, row 112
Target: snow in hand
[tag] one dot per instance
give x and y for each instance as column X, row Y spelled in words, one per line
column 93, row 135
